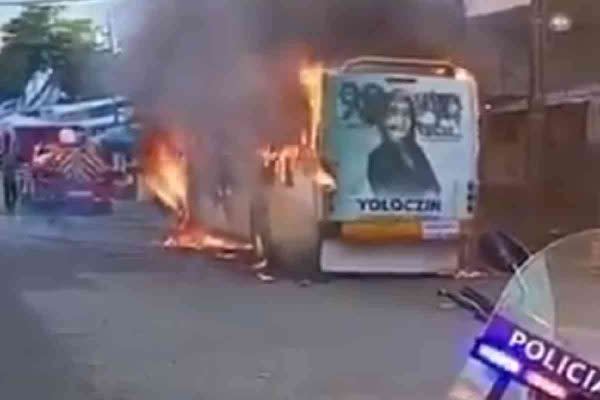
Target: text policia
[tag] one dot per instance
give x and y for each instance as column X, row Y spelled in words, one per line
column 555, row 361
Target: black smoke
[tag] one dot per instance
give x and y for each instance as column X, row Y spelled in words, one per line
column 214, row 63
column 226, row 71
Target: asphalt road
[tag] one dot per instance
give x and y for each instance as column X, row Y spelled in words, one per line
column 94, row 308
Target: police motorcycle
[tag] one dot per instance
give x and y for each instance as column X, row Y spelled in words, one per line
column 541, row 339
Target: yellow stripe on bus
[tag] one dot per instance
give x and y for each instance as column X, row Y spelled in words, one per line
column 381, row 232
column 407, row 230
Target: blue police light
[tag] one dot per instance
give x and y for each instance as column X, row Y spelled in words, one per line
column 508, row 363
column 499, row 359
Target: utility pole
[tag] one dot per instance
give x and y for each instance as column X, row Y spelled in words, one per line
column 535, row 203
column 537, row 96
column 537, row 57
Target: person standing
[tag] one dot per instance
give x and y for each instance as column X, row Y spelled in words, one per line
column 9, row 170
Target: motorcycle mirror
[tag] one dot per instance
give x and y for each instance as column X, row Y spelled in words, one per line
column 502, row 251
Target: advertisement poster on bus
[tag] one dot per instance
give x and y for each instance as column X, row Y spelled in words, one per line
column 401, row 149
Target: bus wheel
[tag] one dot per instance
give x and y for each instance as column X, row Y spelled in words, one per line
column 294, row 261
column 298, row 258
column 289, row 256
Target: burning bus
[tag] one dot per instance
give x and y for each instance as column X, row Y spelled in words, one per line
column 383, row 180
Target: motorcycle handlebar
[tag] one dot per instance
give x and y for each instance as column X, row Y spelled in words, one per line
column 483, row 301
column 466, row 304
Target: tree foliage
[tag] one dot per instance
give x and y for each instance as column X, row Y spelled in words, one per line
column 40, row 37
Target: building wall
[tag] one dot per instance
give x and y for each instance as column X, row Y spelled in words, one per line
column 571, row 169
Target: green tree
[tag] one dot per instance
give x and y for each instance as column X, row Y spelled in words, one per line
column 40, row 37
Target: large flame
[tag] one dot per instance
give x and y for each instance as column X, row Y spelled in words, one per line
column 166, row 175
column 165, row 172
column 303, row 157
column 311, row 78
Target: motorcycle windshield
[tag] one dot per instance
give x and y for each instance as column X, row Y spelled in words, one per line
column 544, row 335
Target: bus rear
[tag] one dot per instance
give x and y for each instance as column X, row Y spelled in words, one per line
column 401, row 138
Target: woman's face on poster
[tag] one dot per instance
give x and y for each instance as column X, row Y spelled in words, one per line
column 399, row 120
column 454, row 109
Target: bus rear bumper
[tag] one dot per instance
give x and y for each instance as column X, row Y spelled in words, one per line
column 403, row 258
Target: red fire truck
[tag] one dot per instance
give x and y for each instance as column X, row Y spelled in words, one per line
column 68, row 174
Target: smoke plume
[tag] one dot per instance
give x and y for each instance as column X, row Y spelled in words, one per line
column 226, row 71
column 231, row 65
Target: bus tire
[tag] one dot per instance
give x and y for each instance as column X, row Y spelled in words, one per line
column 296, row 258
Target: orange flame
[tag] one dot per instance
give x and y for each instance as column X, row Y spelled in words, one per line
column 166, row 174
column 195, row 237
column 324, row 179
column 303, row 156
column 311, row 78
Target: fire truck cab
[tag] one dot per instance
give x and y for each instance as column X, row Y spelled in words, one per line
column 68, row 174
column 399, row 139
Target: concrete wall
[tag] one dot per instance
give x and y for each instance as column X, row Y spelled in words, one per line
column 571, row 172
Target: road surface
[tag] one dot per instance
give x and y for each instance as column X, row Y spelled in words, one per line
column 94, row 308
